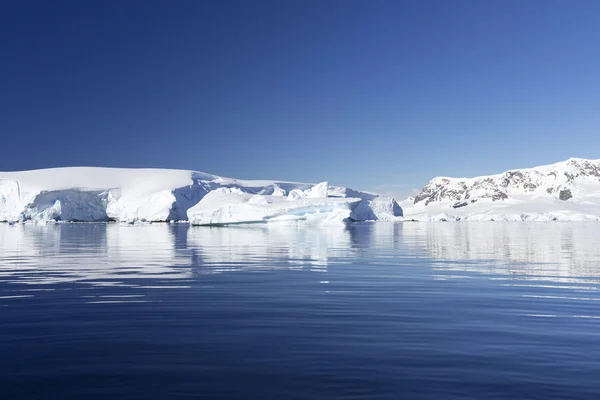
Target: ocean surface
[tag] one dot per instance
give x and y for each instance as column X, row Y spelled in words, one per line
column 374, row 311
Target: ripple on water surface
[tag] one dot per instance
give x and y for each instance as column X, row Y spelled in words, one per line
column 413, row 310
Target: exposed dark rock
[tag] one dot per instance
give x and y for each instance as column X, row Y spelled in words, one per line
column 423, row 196
column 459, row 205
column 499, row 196
column 565, row 194
column 556, row 180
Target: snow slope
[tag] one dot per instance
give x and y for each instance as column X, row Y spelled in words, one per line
column 565, row 191
column 129, row 195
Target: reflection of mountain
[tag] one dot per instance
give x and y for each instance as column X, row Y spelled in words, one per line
column 549, row 250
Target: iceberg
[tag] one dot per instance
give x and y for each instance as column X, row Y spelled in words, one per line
column 92, row 194
column 380, row 208
column 221, row 207
column 314, row 205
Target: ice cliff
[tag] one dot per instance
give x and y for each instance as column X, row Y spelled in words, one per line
column 86, row 194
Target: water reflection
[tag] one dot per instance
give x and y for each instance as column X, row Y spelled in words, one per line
column 267, row 246
column 552, row 249
column 365, row 312
column 98, row 254
column 118, row 255
column 121, row 255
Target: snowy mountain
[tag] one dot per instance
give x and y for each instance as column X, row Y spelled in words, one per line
column 130, row 195
column 568, row 190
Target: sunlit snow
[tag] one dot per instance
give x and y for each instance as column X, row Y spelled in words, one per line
column 131, row 195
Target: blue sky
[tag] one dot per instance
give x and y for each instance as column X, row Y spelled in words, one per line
column 377, row 95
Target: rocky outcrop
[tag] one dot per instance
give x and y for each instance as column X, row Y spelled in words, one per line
column 557, row 181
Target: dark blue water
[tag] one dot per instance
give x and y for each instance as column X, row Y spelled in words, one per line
column 375, row 311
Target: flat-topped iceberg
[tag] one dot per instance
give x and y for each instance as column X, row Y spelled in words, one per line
column 90, row 194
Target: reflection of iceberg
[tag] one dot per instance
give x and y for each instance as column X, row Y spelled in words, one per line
column 98, row 254
column 553, row 251
column 383, row 236
column 167, row 255
column 270, row 246
column 163, row 254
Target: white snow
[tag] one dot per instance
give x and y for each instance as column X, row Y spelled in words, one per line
column 532, row 194
column 508, row 210
column 221, row 207
column 318, row 191
column 130, row 195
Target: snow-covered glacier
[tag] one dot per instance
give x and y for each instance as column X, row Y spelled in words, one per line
column 565, row 191
column 86, row 194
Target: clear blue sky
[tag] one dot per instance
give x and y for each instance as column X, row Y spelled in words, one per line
column 377, row 95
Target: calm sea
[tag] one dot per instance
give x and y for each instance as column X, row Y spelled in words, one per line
column 374, row 311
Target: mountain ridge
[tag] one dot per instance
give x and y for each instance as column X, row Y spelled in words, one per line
column 566, row 190
column 552, row 178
